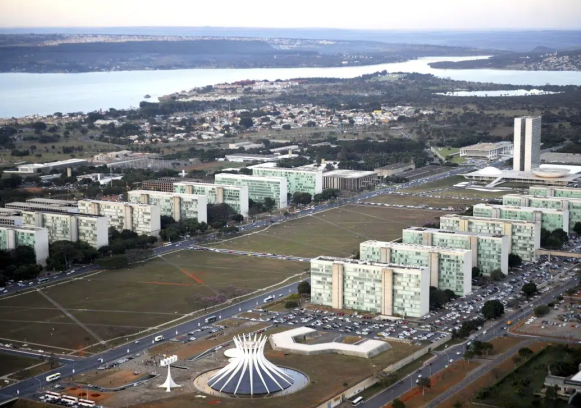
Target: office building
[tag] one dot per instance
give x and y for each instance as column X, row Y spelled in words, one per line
column 54, row 203
column 573, row 205
column 350, row 180
column 489, row 252
column 450, row 268
column 33, row 206
column 302, row 181
column 524, row 237
column 235, row 197
column 166, row 183
column 36, row 238
column 139, row 218
column 69, row 227
column 10, row 216
column 488, row 151
column 177, row 206
column 551, row 219
column 527, row 143
column 391, row 290
column 32, row 168
column 562, row 192
column 259, row 188
column 394, row 169
column 544, row 175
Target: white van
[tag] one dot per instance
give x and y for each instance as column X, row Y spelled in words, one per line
column 158, row 338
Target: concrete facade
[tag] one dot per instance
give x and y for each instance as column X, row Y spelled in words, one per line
column 235, row 197
column 69, row 227
column 489, row 251
column 489, row 151
column 551, row 219
column 36, row 238
column 389, row 289
column 527, row 143
column 524, row 236
column 302, row 181
column 450, row 268
column 259, row 188
column 139, row 218
column 177, row 206
column 349, row 180
column 394, row 169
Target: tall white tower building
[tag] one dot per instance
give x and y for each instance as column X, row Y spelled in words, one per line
column 527, row 143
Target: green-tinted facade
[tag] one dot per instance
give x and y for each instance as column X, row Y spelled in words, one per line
column 302, row 181
column 178, row 206
column 235, row 197
column 259, row 188
column 551, row 219
column 564, row 192
column 573, row 205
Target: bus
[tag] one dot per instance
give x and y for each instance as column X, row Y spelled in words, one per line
column 357, row 401
column 268, row 299
column 86, row 403
column 158, row 338
column 67, row 399
column 211, row 319
column 42, row 280
column 53, row 377
column 51, row 396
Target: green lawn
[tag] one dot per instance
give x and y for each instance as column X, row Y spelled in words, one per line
column 10, row 363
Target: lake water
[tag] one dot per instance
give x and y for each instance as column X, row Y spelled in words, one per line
column 27, row 94
column 514, row 92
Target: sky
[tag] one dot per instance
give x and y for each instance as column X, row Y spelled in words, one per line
column 370, row 14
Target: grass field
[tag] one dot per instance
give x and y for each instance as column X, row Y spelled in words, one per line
column 10, row 363
column 336, row 232
column 123, row 302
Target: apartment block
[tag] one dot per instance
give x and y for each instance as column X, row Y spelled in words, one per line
column 36, row 238
column 524, row 236
column 259, row 188
column 489, row 252
column 178, row 206
column 139, row 218
column 298, row 180
column 449, row 268
column 235, row 197
column 389, row 289
column 69, row 227
column 551, row 219
column 573, row 205
column 563, row 192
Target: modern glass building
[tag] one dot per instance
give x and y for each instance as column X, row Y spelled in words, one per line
column 389, row 289
column 573, row 205
column 564, row 192
column 36, row 238
column 259, row 187
column 302, row 181
column 524, row 236
column 450, row 268
column 551, row 219
column 139, row 218
column 235, row 197
column 92, row 229
column 175, row 205
column 489, row 252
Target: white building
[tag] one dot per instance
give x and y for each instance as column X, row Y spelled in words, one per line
column 389, row 289
column 235, row 196
column 139, row 218
column 259, row 188
column 178, row 206
column 527, row 143
column 32, row 168
column 36, row 238
column 298, row 180
column 489, row 151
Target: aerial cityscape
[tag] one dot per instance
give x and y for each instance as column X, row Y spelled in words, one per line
column 305, row 205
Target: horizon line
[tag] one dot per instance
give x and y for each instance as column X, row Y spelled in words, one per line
column 304, row 28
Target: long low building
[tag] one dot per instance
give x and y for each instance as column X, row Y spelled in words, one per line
column 349, row 180
column 36, row 238
column 175, row 205
column 545, row 176
column 259, row 187
column 298, row 180
column 573, row 205
column 563, row 192
column 32, row 168
column 489, row 251
column 489, row 151
column 392, row 290
column 235, row 197
column 394, row 169
column 143, row 219
column 35, row 206
column 524, row 236
column 551, row 219
column 91, row 229
column 450, row 268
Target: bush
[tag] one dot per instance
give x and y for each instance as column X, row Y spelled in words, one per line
column 291, row 304
column 541, row 310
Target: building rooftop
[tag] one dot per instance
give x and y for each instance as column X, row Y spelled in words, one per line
column 64, row 203
column 470, row 217
column 360, row 262
column 68, row 214
column 249, row 177
column 16, row 227
column 166, row 193
column 440, row 231
column 487, row 146
column 348, row 173
column 40, row 206
column 493, row 172
column 516, row 207
column 393, row 166
column 415, row 246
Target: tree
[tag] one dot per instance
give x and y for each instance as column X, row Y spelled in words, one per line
column 302, row 198
column 291, row 304
column 52, row 361
column 525, row 353
column 457, row 404
column 397, row 403
column 492, row 309
column 577, row 228
column 514, row 260
column 475, row 272
column 386, row 379
column 541, row 310
column 497, row 275
column 247, row 122
column 551, row 395
column 269, row 204
column 468, row 355
column 304, row 288
column 529, row 289
column 424, row 383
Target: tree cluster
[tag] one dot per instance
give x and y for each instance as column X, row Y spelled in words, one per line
column 327, row 194
column 18, row 264
column 171, row 230
column 438, row 298
column 63, row 254
column 554, row 239
column 492, row 309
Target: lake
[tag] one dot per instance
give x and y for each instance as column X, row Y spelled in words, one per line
column 27, row 94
